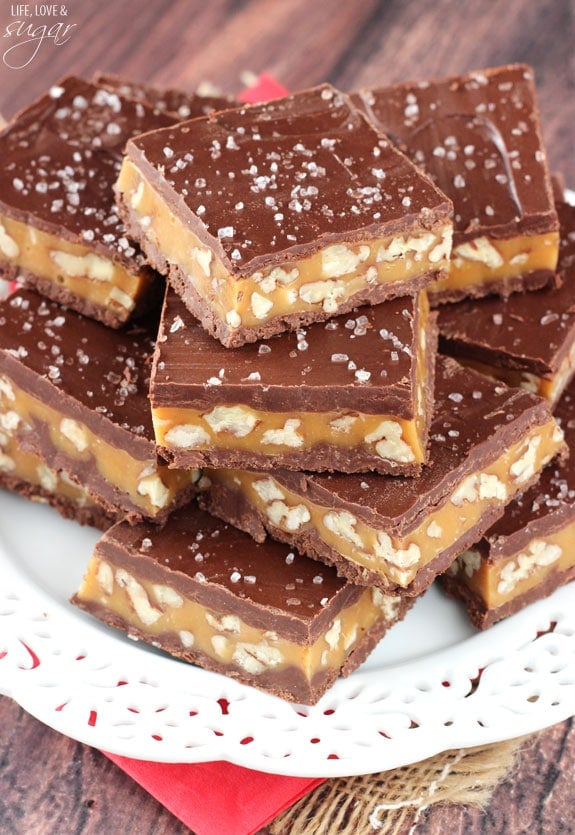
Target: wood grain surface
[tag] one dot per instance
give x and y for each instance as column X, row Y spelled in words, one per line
column 50, row 784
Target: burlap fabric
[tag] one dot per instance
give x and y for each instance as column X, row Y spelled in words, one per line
column 393, row 802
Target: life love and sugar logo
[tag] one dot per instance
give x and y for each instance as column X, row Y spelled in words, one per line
column 32, row 28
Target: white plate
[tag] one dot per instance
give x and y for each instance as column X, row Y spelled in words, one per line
column 417, row 694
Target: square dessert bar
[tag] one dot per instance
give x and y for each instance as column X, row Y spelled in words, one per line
column 179, row 103
column 59, row 230
column 530, row 551
column 527, row 340
column 487, row 443
column 354, row 394
column 478, row 137
column 25, row 473
column 271, row 216
column 205, row 592
column 75, row 393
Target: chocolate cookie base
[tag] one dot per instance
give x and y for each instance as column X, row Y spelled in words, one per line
column 89, row 515
column 320, row 458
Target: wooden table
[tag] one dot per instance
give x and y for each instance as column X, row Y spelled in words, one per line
column 51, row 784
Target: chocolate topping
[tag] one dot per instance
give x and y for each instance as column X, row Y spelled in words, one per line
column 360, row 361
column 62, row 357
column 60, row 157
column 528, row 331
column 267, row 182
column 478, row 137
column 181, row 104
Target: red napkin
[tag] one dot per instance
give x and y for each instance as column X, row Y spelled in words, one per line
column 265, row 88
column 217, row 797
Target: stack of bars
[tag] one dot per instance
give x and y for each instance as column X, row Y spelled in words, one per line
column 280, row 459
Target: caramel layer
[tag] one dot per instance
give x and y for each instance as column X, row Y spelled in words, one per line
column 484, row 260
column 76, row 268
column 268, row 433
column 160, row 610
column 25, row 466
column 398, row 559
column 501, row 581
column 321, row 282
column 149, row 486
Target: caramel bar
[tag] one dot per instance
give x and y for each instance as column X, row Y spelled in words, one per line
column 59, row 230
column 26, row 474
column 529, row 552
column 205, row 592
column 351, row 395
column 272, row 216
column 180, row 104
column 75, row 393
column 478, row 137
column 487, row 442
column 527, row 340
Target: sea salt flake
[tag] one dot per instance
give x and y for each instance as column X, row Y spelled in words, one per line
column 362, row 376
column 177, row 324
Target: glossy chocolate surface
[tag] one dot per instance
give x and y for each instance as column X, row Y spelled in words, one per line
column 528, row 331
column 270, row 182
column 478, row 137
column 60, row 157
column 56, row 353
column 361, row 361
column 180, row 103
